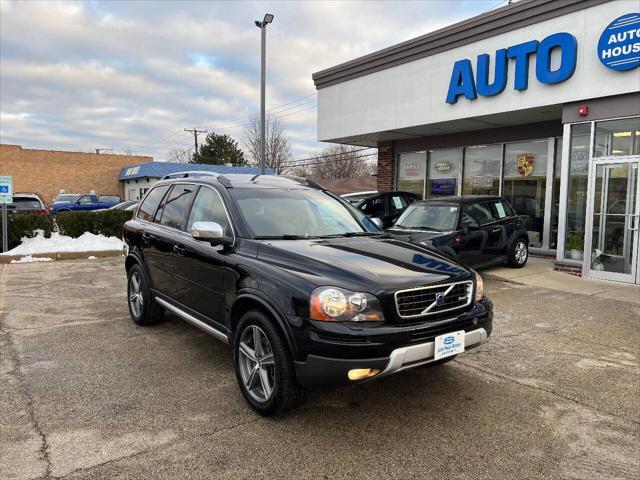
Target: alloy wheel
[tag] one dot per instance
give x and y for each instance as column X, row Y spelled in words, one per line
column 136, row 300
column 256, row 362
column 521, row 252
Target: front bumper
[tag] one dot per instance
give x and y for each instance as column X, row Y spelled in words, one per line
column 316, row 370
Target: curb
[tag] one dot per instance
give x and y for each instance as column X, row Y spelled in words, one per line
column 64, row 255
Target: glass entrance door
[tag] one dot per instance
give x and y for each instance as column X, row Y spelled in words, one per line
column 613, row 221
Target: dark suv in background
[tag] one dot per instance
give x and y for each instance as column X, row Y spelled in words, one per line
column 386, row 207
column 306, row 288
column 478, row 231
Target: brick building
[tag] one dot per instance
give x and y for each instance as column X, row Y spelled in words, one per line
column 46, row 172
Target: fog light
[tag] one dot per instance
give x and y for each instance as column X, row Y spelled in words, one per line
column 360, row 373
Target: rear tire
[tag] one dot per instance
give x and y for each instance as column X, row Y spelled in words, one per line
column 142, row 306
column 264, row 366
column 518, row 254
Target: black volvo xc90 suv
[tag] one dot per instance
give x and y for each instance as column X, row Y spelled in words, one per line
column 305, row 288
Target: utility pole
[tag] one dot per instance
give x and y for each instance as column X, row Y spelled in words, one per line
column 268, row 18
column 195, row 132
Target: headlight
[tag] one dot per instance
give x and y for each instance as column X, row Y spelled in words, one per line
column 333, row 304
column 479, row 287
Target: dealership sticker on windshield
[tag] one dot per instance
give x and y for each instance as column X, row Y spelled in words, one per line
column 449, row 344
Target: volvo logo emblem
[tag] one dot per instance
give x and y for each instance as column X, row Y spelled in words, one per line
column 439, row 298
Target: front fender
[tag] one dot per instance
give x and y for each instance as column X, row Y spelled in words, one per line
column 256, row 296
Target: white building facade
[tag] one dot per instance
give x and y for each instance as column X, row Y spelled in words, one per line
column 538, row 102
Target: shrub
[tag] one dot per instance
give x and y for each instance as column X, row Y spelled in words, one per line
column 24, row 225
column 575, row 241
column 106, row 222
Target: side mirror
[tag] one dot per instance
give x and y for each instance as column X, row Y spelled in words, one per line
column 211, row 232
column 470, row 227
column 377, row 222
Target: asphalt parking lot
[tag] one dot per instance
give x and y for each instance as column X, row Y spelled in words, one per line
column 87, row 394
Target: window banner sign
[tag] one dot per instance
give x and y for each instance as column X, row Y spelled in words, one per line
column 412, row 169
column 443, row 186
column 483, row 181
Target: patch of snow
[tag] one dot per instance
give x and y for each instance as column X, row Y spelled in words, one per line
column 92, row 257
column 87, row 242
column 30, row 259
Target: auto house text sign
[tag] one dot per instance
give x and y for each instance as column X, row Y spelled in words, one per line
column 618, row 49
column 619, row 44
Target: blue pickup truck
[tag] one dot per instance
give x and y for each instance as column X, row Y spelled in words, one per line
column 70, row 202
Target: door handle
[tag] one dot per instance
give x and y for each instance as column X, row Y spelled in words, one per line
column 635, row 217
column 495, row 230
column 146, row 237
column 179, row 250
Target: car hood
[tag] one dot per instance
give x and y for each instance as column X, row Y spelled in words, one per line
column 415, row 235
column 361, row 263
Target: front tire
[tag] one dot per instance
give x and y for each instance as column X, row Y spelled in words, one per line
column 264, row 366
column 518, row 254
column 142, row 307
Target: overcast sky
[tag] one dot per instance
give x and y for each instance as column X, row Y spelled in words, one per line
column 130, row 75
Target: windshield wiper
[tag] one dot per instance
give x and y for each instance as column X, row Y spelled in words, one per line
column 352, row 234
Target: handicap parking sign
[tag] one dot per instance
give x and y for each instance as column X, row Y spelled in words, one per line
column 6, row 189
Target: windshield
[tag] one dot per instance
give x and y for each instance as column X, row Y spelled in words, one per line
column 26, row 202
column 299, row 213
column 68, row 197
column 429, row 217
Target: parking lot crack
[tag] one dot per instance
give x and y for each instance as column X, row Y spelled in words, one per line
column 33, row 419
column 158, row 448
column 540, row 389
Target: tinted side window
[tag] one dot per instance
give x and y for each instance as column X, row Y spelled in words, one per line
column 85, row 199
column 501, row 210
column 176, row 208
column 479, row 212
column 208, row 207
column 148, row 207
column 397, row 203
column 374, row 207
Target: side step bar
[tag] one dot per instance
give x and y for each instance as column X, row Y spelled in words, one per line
column 193, row 320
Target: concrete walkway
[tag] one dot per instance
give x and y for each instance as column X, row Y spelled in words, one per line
column 539, row 273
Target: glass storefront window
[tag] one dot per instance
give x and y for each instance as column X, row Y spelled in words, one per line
column 412, row 168
column 444, row 170
column 525, row 182
column 555, row 207
column 577, row 190
column 482, row 170
column 617, row 138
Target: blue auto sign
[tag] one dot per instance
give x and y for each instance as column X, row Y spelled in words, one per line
column 619, row 44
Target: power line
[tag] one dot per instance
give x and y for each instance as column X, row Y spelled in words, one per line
column 332, row 154
column 328, row 160
column 274, row 111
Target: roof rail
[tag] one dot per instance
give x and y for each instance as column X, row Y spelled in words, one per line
column 308, row 181
column 188, row 174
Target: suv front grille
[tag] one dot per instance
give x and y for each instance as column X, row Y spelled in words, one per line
column 431, row 300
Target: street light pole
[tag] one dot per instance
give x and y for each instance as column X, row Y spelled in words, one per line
column 268, row 18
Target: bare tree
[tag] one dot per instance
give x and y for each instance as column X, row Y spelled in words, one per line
column 341, row 161
column 179, row 155
column 277, row 144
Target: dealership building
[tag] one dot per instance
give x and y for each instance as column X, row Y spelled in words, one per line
column 538, row 101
